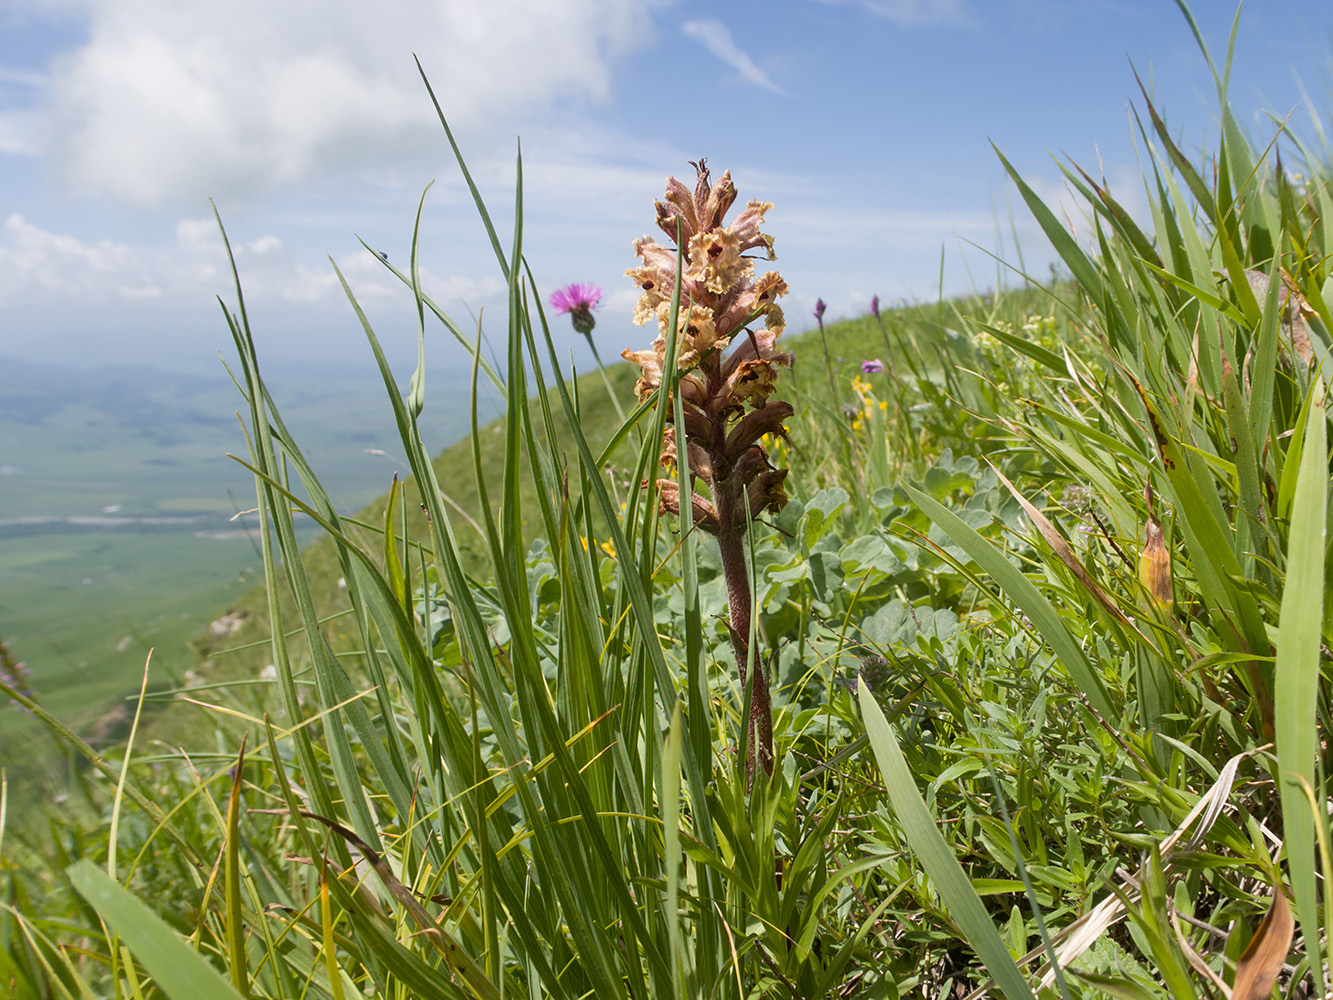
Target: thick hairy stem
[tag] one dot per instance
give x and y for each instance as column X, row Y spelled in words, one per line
column 759, row 720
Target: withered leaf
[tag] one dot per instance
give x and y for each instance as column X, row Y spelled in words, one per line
column 1257, row 970
column 1062, row 549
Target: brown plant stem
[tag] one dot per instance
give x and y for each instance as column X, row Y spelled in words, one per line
column 759, row 718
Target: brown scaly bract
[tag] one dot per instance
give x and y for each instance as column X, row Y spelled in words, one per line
column 721, row 303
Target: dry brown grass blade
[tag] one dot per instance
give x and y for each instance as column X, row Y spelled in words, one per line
column 1195, row 959
column 1062, row 549
column 1079, row 936
column 1257, row 970
column 1155, row 559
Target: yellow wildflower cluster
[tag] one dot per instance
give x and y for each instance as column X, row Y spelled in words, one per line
column 869, row 403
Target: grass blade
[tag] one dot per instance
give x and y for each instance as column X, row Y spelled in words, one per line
column 1025, row 595
column 235, row 923
column 1297, row 672
column 671, row 847
column 179, row 970
column 946, row 874
column 1065, row 245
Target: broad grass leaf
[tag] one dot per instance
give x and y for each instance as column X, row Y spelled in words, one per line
column 1065, row 245
column 1117, row 215
column 671, row 845
column 1019, row 589
column 1263, row 361
column 1209, row 537
column 179, row 971
column 1296, row 675
column 946, row 874
column 1063, row 550
column 1198, row 292
column 1036, row 352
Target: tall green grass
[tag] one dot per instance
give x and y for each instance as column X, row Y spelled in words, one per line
column 1191, row 367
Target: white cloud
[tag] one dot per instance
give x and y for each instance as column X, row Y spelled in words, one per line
column 716, row 38
column 914, row 13
column 169, row 102
column 265, row 244
column 38, row 267
column 20, row 132
column 41, row 269
column 22, row 77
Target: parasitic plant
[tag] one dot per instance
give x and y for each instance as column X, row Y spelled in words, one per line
column 724, row 397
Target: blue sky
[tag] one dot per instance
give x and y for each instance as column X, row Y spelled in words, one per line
column 867, row 123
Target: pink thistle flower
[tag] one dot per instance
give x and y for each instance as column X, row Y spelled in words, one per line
column 872, row 366
column 579, row 300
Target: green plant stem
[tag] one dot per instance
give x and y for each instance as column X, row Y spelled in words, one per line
column 888, row 351
column 828, row 366
column 609, row 391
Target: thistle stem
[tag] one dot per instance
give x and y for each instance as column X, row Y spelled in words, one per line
column 609, row 391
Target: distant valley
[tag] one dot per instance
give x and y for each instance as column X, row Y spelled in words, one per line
column 122, row 520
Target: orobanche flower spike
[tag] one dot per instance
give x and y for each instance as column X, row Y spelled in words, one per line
column 724, row 397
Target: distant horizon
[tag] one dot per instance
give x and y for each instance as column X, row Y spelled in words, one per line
column 295, row 369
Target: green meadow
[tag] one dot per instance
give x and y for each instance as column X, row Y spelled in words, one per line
column 119, row 531
column 973, row 648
